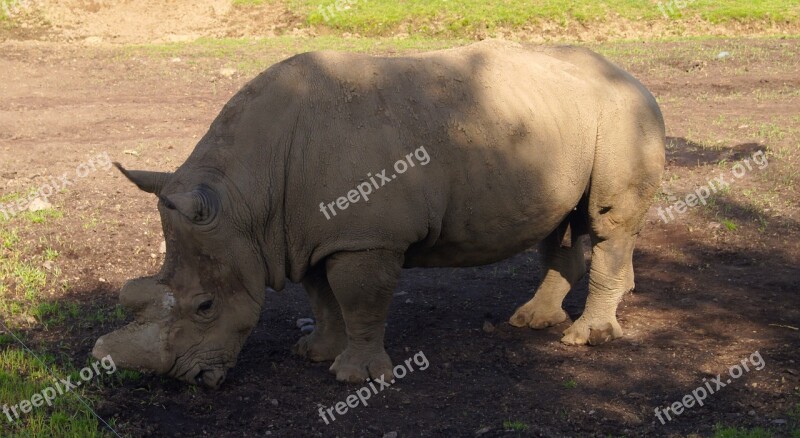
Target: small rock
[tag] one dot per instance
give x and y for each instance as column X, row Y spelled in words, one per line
column 274, row 402
column 175, row 59
column 488, row 327
column 304, row 322
column 723, row 55
column 483, row 430
column 163, row 248
column 48, row 265
column 779, row 421
column 39, row 204
column 401, row 293
column 227, row 72
column 131, row 152
column 307, row 329
column 751, row 413
column 391, row 434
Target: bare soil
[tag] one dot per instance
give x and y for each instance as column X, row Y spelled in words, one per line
column 706, row 296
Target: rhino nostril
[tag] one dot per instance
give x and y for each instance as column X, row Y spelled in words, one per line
column 210, row 379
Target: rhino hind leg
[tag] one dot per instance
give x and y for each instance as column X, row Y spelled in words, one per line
column 610, row 277
column 363, row 283
column 616, row 213
column 565, row 266
column 329, row 337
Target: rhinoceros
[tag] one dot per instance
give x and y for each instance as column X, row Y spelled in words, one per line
column 505, row 146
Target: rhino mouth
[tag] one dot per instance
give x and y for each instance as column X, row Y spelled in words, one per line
column 210, row 375
column 211, row 378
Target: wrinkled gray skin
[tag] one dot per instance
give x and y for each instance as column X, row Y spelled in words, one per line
column 526, row 145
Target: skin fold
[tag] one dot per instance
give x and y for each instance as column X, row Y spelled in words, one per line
column 525, row 145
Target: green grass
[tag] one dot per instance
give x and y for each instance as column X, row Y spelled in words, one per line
column 464, row 17
column 41, row 216
column 570, row 384
column 10, row 9
column 248, row 2
column 23, row 287
column 250, row 56
column 21, row 377
column 516, row 426
column 733, row 432
column 233, row 47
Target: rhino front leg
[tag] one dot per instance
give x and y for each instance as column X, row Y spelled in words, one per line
column 329, row 337
column 610, row 276
column 363, row 283
column 565, row 266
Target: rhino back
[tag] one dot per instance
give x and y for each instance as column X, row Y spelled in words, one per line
column 510, row 132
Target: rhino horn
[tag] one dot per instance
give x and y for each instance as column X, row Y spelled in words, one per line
column 147, row 299
column 151, row 182
column 135, row 346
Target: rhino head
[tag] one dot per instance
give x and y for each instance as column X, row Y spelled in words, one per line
column 192, row 318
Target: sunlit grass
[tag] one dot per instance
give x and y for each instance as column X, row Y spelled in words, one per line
column 377, row 17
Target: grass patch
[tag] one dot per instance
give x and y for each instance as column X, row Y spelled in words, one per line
column 734, row 432
column 21, row 377
column 516, row 426
column 233, row 47
column 23, row 284
column 465, row 17
column 248, row 2
column 251, row 56
column 41, row 216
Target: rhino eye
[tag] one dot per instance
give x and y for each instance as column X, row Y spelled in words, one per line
column 205, row 306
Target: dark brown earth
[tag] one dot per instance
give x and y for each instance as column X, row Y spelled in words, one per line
column 707, row 295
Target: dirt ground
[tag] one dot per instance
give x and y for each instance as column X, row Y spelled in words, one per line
column 713, row 286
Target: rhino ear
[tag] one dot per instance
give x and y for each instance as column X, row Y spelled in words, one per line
column 199, row 206
column 151, row 182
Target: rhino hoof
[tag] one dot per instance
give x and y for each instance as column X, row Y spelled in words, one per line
column 354, row 368
column 582, row 333
column 537, row 320
column 316, row 349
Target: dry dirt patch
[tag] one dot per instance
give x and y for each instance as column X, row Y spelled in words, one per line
column 153, row 21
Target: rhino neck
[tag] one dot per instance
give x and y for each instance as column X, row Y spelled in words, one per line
column 249, row 143
column 262, row 198
column 254, row 195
